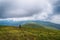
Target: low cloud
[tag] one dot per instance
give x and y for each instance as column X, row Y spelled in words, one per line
column 55, row 19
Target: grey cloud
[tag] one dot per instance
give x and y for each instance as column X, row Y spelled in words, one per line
column 23, row 8
column 9, row 9
column 56, row 7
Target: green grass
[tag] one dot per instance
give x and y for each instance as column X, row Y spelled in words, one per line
column 28, row 33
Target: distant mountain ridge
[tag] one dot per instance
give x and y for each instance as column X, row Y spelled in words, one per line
column 17, row 23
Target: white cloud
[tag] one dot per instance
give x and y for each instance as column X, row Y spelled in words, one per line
column 19, row 19
column 55, row 19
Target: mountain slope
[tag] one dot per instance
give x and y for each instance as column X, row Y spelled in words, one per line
column 49, row 24
column 17, row 23
column 24, row 33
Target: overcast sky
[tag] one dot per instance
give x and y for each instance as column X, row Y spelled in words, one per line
column 17, row 10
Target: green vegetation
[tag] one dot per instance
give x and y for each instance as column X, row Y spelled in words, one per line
column 28, row 32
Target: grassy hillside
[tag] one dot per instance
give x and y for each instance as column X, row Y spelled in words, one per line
column 27, row 32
